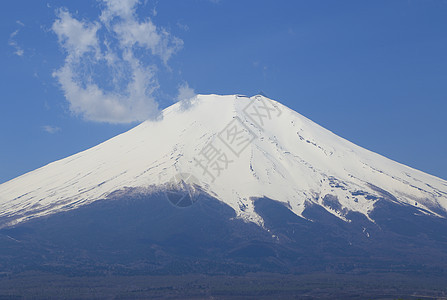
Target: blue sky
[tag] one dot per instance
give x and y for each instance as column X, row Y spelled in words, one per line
column 374, row 72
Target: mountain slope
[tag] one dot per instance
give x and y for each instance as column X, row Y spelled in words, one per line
column 236, row 149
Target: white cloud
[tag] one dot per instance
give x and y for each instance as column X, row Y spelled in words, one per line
column 124, row 9
column 19, row 51
column 12, row 35
column 13, row 43
column 75, row 36
column 110, row 73
column 182, row 26
column 185, row 95
column 131, row 32
column 120, row 17
column 51, row 129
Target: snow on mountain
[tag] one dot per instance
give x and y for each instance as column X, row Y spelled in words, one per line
column 236, row 148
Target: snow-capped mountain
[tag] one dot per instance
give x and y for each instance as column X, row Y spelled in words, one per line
column 236, row 149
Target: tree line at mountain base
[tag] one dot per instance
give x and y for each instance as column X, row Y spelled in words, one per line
column 40, row 285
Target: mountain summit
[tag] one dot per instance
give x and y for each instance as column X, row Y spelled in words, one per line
column 225, row 185
column 235, row 149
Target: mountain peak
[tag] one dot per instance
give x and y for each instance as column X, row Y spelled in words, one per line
column 237, row 148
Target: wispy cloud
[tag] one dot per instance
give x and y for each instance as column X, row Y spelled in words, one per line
column 182, row 26
column 185, row 95
column 13, row 42
column 110, row 71
column 51, row 129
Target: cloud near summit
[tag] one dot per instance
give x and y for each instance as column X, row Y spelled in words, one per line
column 110, row 69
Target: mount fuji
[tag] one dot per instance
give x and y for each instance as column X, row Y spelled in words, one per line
column 225, row 184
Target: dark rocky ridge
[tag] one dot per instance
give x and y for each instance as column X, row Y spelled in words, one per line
column 146, row 234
